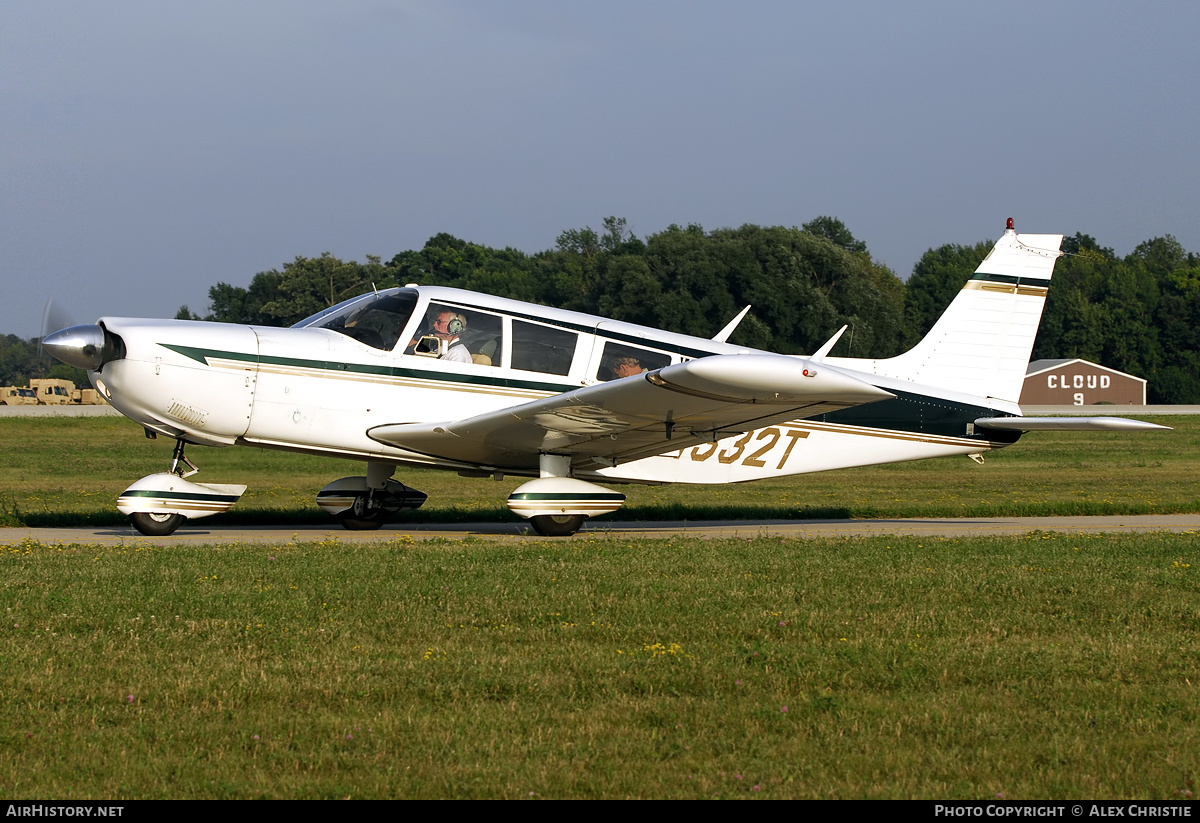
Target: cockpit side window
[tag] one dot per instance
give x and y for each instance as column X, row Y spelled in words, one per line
column 459, row 334
column 375, row 320
column 620, row 360
column 542, row 348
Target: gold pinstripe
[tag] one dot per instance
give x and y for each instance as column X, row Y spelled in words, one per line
column 890, row 434
column 1005, row 288
column 186, row 505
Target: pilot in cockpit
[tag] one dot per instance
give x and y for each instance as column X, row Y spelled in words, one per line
column 448, row 326
column 443, row 339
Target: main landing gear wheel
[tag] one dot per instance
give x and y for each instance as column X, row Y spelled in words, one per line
column 358, row 524
column 557, row 525
column 153, row 524
column 364, row 515
column 359, row 505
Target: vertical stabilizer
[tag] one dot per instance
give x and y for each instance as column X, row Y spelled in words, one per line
column 981, row 343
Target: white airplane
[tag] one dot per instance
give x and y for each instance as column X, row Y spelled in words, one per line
column 451, row 379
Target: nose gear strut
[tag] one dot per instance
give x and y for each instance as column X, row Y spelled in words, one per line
column 178, row 457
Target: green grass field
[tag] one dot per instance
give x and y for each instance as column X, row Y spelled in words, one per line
column 1045, row 666
column 65, row 472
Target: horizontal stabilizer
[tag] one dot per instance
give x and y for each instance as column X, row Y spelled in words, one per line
column 1094, row 424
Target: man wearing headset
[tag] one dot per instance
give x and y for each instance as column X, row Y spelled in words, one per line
column 448, row 326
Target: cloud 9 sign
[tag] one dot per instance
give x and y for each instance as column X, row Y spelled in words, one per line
column 1080, row 383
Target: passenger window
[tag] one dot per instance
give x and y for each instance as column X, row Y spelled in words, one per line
column 459, row 335
column 542, row 348
column 619, row 360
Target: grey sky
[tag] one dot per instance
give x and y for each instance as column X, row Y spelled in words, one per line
column 151, row 149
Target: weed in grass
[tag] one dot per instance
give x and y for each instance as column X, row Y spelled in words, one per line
column 10, row 511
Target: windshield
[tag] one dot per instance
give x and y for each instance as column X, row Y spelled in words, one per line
column 373, row 319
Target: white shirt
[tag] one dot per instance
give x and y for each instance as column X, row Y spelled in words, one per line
column 456, row 352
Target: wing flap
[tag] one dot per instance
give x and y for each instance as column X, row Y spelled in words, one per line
column 624, row 420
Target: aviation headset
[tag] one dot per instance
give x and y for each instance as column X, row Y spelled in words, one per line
column 456, row 323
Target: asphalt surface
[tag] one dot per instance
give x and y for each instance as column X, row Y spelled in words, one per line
column 199, row 532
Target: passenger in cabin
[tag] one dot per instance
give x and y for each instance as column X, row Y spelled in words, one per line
column 619, row 361
column 627, row 367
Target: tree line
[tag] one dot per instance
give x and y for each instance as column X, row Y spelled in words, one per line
column 803, row 283
column 1139, row 314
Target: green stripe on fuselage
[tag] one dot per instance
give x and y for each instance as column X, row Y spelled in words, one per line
column 203, row 355
column 907, row 412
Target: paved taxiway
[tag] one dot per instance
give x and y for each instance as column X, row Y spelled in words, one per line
column 201, row 532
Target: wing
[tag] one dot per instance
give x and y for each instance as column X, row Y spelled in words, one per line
column 1038, row 424
column 624, row 420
